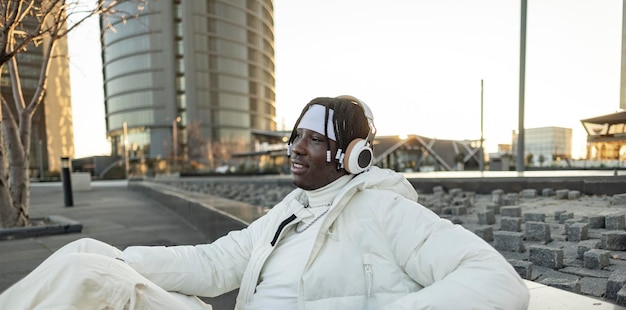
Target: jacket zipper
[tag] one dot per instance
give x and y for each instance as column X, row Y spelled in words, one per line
column 369, row 280
column 369, row 274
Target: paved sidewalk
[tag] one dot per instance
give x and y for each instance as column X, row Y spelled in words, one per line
column 110, row 212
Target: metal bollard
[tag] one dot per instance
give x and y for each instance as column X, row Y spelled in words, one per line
column 66, row 178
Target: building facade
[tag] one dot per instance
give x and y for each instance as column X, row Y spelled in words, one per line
column 52, row 133
column 545, row 145
column 606, row 137
column 189, row 81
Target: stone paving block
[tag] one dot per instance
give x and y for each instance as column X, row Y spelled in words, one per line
column 511, row 223
column 523, row 268
column 571, row 195
column 529, row 193
column 497, row 199
column 565, row 216
column 618, row 199
column 591, row 286
column 617, row 280
column 455, row 192
column 564, row 284
column 621, row 296
column 493, row 206
column 511, row 211
column 436, row 209
column 511, row 199
column 438, row 189
column 562, row 193
column 557, row 214
column 596, row 221
column 614, row 240
column 498, row 192
column 486, row 217
column 485, row 232
column 446, row 210
column 534, row 217
column 568, row 223
column 584, row 272
column 508, row 241
column 577, row 232
column 547, row 192
column 538, row 231
column 586, row 245
column 462, row 201
column 546, row 256
column 458, row 210
column 616, row 221
column 596, row 259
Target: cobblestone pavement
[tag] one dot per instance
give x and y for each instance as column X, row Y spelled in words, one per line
column 548, row 239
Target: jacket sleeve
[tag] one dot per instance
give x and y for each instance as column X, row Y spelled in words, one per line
column 202, row 270
column 457, row 269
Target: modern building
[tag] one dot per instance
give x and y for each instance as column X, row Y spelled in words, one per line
column 52, row 133
column 545, row 145
column 415, row 153
column 189, row 82
column 606, row 136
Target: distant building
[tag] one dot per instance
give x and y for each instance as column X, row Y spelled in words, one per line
column 417, row 153
column 545, row 145
column 606, row 136
column 52, row 133
column 189, row 81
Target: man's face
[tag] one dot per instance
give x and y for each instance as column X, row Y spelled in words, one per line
column 308, row 160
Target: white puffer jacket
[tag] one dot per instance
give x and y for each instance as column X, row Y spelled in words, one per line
column 377, row 249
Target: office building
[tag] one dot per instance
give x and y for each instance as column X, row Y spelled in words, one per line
column 189, row 81
column 545, row 145
column 52, row 132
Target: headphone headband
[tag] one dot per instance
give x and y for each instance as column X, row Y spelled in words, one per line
column 368, row 114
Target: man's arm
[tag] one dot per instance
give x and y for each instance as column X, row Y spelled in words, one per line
column 457, row 269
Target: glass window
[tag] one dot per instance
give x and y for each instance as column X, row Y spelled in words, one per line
column 233, row 84
column 134, row 119
column 118, row 49
column 129, row 64
column 238, row 102
column 225, row 10
column 235, row 50
column 130, row 101
column 232, row 118
column 236, row 67
column 129, row 83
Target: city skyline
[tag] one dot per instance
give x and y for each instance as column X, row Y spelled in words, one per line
column 419, row 66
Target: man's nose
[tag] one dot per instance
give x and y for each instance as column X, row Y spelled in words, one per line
column 298, row 147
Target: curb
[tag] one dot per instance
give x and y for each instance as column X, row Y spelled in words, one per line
column 58, row 225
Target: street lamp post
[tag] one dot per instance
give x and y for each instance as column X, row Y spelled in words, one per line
column 175, row 141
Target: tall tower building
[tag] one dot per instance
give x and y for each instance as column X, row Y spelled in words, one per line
column 622, row 101
column 52, row 133
column 190, row 80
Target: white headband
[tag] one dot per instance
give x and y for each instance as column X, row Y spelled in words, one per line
column 314, row 119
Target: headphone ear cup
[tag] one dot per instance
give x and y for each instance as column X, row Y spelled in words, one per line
column 359, row 156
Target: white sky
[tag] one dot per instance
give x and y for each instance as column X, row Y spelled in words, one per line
column 418, row 64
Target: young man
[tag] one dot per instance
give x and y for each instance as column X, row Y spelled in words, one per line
column 352, row 236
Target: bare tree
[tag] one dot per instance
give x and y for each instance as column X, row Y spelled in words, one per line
column 25, row 25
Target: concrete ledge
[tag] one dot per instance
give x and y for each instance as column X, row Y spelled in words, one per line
column 206, row 214
column 55, row 225
column 546, row 297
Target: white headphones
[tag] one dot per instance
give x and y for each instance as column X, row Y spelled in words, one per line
column 359, row 155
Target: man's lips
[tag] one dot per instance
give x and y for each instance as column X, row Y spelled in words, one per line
column 298, row 166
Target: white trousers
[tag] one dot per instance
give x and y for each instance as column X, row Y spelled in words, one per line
column 84, row 274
